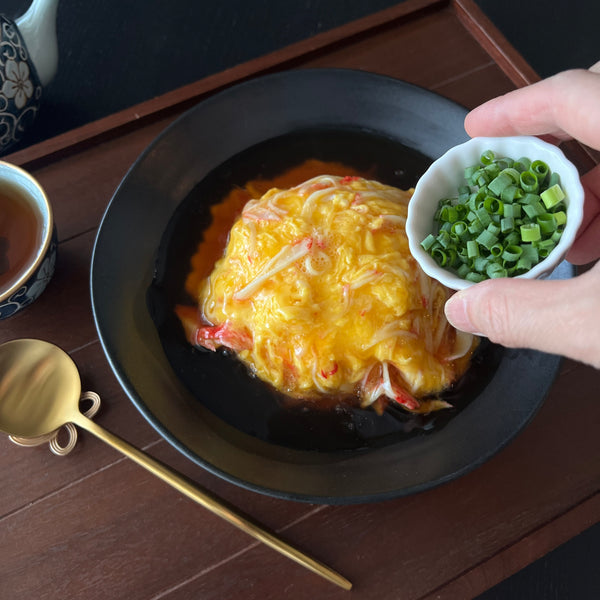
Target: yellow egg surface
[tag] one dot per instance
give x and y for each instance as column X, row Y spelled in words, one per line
column 318, row 294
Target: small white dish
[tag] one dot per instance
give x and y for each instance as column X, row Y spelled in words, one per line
column 446, row 174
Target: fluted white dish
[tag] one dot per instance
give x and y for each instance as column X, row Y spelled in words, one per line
column 446, row 174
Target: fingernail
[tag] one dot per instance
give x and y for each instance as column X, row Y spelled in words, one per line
column 457, row 315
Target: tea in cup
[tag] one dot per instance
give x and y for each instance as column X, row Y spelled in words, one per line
column 27, row 240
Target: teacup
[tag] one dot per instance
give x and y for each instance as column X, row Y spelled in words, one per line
column 27, row 240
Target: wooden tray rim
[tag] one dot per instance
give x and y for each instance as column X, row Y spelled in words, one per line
column 176, row 101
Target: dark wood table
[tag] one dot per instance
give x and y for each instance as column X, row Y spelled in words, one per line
column 94, row 525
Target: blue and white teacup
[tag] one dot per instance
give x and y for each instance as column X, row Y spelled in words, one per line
column 28, row 240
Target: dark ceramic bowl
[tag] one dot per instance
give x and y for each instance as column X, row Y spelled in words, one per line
column 203, row 403
column 29, row 280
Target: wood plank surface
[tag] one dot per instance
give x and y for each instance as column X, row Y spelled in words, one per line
column 93, row 525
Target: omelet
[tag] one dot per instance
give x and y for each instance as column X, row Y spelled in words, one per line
column 318, row 294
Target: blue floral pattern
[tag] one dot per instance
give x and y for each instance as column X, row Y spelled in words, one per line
column 36, row 284
column 20, row 88
column 17, row 84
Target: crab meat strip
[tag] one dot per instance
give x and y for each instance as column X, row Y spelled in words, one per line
column 283, row 259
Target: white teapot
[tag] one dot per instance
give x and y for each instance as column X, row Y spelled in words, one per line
column 28, row 62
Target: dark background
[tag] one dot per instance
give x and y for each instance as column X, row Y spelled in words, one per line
column 113, row 55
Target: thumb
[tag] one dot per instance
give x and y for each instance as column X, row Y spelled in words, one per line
column 559, row 317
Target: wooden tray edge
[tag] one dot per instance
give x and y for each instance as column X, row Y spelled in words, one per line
column 489, row 37
column 469, row 14
column 515, row 557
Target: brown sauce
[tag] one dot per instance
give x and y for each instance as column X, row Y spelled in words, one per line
column 20, row 233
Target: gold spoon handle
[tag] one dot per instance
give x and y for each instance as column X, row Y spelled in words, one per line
column 212, row 503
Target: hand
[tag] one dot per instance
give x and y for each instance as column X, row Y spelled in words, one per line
column 561, row 317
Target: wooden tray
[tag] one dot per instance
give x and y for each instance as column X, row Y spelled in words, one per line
column 94, row 525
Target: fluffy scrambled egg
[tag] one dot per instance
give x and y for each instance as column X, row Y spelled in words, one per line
column 318, row 294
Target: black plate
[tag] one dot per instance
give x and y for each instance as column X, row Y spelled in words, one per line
column 259, row 128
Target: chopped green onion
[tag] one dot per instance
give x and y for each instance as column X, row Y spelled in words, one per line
column 459, row 228
column 552, row 196
column 474, row 277
column 487, row 157
column 512, row 253
column 496, row 250
column 486, row 239
column 470, row 171
column 439, row 256
column 523, row 265
column 476, row 199
column 541, row 170
column 554, row 179
column 529, row 182
column 530, row 198
column 495, row 270
column 512, row 210
column 493, row 205
column 530, row 232
column 493, row 229
column 514, row 237
column 463, row 270
column 475, row 228
column 444, row 239
column 483, row 178
column 534, row 209
column 511, row 193
column 506, row 217
column 547, row 223
column 480, row 263
column 545, row 247
column 512, row 173
column 522, row 164
column 507, row 224
column 428, row 242
column 449, row 214
column 472, row 249
column 560, row 217
column 461, row 211
column 497, row 185
column 530, row 253
column 483, row 216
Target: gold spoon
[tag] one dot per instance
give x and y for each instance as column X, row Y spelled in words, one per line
column 39, row 393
